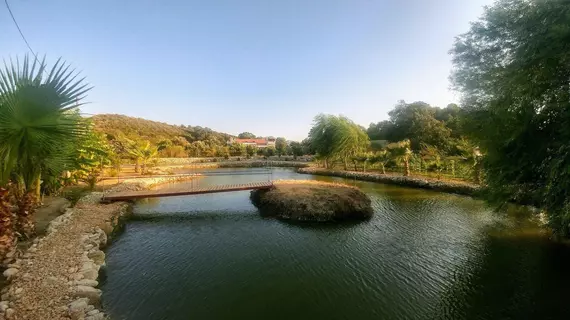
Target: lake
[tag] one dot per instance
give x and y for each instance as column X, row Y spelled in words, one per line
column 424, row 255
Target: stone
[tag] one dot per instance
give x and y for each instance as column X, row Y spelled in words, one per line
column 98, row 316
column 78, row 276
column 93, row 294
column 32, row 250
column 93, row 312
column 10, row 273
column 9, row 314
column 97, row 256
column 73, row 270
column 90, row 274
column 78, row 308
column 18, row 290
column 5, row 296
column 87, row 282
column 11, row 254
column 4, row 306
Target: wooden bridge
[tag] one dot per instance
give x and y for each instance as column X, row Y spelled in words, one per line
column 133, row 195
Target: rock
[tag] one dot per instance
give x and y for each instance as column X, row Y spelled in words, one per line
column 9, row 314
column 78, row 276
column 5, row 296
column 11, row 254
column 10, row 273
column 87, row 282
column 93, row 294
column 73, row 270
column 97, row 256
column 98, row 316
column 18, row 290
column 78, row 308
column 4, row 306
column 93, row 312
column 90, row 274
column 32, row 250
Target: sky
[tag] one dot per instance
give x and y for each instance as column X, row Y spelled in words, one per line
column 263, row 66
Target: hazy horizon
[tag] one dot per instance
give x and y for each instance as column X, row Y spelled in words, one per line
column 234, row 66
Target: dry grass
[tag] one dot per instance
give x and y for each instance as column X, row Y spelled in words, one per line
column 309, row 200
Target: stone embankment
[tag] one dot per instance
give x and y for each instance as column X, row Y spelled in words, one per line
column 57, row 277
column 457, row 187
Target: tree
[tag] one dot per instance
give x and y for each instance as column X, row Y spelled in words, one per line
column 296, row 149
column 269, row 151
column 401, row 152
column 246, row 135
column 335, row 137
column 382, row 157
column 251, row 150
column 434, row 158
column 37, row 127
column 280, row 146
column 237, row 149
column 512, row 70
column 143, row 152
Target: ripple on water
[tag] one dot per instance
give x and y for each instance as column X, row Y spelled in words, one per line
column 423, row 255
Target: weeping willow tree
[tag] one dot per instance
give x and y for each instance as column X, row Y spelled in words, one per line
column 337, row 138
column 39, row 123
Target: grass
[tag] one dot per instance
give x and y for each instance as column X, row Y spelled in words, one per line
column 309, row 200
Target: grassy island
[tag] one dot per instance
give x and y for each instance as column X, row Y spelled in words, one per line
column 308, row 200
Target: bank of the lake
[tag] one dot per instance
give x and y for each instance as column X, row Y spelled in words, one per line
column 458, row 187
column 57, row 277
column 423, row 255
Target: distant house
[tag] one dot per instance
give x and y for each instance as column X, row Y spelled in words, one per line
column 259, row 142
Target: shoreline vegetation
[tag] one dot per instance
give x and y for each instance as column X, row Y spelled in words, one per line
column 57, row 276
column 457, row 187
column 310, row 200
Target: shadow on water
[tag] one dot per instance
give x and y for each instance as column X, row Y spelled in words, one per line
column 423, row 255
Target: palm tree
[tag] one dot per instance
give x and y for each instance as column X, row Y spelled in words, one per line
column 38, row 122
column 143, row 153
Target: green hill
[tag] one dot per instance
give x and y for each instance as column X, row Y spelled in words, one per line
column 116, row 126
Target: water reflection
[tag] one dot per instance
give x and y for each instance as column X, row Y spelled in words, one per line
column 424, row 255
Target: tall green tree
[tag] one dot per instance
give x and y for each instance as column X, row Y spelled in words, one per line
column 246, row 135
column 280, row 146
column 513, row 69
column 37, row 126
column 337, row 137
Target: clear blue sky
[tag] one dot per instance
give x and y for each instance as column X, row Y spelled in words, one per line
column 264, row 66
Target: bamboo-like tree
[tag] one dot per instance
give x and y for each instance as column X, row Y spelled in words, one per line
column 38, row 122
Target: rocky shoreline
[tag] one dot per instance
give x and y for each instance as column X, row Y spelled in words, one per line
column 463, row 188
column 56, row 278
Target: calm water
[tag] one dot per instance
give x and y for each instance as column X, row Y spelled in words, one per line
column 424, row 255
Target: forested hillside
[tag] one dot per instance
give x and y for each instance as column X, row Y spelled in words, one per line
column 171, row 140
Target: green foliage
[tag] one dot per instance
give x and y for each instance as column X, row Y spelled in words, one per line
column 237, row 149
column 38, row 119
column 512, row 68
column 196, row 141
column 269, row 151
column 251, row 150
column 280, row 146
column 337, row 137
column 297, row 149
column 246, row 135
